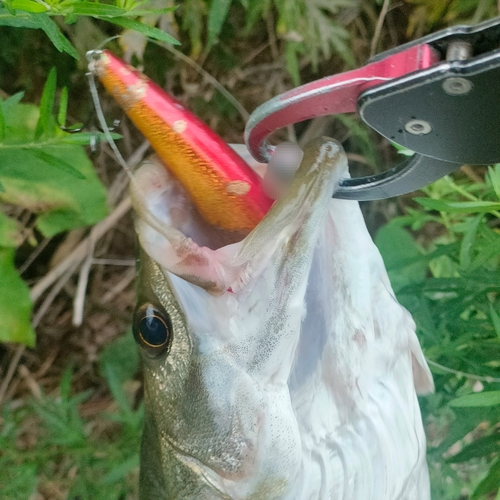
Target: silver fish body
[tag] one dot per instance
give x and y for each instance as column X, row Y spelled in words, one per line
column 291, row 370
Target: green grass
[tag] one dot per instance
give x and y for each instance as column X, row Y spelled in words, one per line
column 48, row 447
column 451, row 285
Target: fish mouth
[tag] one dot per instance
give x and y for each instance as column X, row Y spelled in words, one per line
column 167, row 200
column 176, row 236
column 244, row 332
column 298, row 331
column 171, row 203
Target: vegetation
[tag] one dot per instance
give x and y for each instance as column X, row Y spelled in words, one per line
column 451, row 286
column 72, row 408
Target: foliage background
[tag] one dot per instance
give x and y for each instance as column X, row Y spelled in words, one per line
column 72, row 404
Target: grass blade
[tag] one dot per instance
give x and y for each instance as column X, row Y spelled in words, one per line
column 487, row 398
column 2, row 123
column 216, row 17
column 490, row 482
column 44, row 127
column 146, row 30
column 63, row 107
column 56, row 162
column 61, row 43
column 458, row 206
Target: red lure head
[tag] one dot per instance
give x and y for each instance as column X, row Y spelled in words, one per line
column 225, row 190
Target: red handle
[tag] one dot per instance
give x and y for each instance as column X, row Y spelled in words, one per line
column 329, row 96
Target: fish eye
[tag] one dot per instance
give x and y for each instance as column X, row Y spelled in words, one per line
column 152, row 329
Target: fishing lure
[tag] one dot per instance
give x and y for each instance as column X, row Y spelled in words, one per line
column 216, row 178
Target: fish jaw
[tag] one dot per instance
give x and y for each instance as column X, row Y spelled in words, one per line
column 290, row 370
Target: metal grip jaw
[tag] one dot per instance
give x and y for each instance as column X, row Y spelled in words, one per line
column 437, row 96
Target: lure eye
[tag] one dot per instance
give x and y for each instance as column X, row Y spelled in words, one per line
column 152, row 329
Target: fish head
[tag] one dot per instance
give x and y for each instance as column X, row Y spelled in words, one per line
column 218, row 329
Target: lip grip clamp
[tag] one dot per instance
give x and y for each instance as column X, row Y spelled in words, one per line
column 437, row 96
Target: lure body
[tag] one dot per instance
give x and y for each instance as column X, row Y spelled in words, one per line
column 289, row 371
column 215, row 177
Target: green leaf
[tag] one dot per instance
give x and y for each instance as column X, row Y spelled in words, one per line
column 97, row 10
column 116, row 388
column 85, row 138
column 45, row 125
column 465, row 421
column 52, row 179
column 146, row 30
column 61, row 43
column 18, row 481
column 55, row 161
column 2, row 124
column 494, row 177
column 136, row 12
column 62, row 200
column 8, row 7
column 490, row 483
column 122, row 356
column 403, row 260
column 28, row 6
column 292, row 62
column 12, row 101
column 15, row 303
column 487, row 248
column 20, row 122
column 70, row 18
column 216, row 17
column 481, row 447
column 119, row 472
column 495, row 319
column 118, row 363
column 65, row 384
column 63, row 107
column 10, row 235
column 18, row 21
column 402, row 150
column 487, row 398
column 458, row 206
column 193, row 16
column 468, row 240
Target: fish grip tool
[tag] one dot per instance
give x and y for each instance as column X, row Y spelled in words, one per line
column 438, row 96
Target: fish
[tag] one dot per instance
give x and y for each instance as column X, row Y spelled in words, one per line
column 278, row 363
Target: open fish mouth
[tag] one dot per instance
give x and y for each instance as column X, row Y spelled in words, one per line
column 176, row 235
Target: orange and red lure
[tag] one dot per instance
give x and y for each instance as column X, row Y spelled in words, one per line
column 225, row 190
